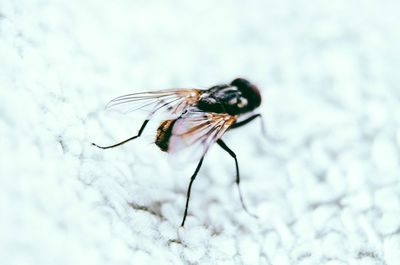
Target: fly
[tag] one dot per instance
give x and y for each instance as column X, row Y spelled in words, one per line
column 196, row 118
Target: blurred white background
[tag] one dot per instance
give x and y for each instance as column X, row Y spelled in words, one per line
column 327, row 193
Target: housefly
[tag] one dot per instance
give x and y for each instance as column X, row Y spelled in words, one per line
column 196, row 117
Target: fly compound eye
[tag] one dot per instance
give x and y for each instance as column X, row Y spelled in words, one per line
column 242, row 103
column 240, row 82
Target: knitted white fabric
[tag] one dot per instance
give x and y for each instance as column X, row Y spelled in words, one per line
column 326, row 191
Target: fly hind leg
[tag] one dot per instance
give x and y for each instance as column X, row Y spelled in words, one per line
column 127, row 140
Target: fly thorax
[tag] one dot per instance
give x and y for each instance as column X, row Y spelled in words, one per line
column 233, row 101
column 210, row 103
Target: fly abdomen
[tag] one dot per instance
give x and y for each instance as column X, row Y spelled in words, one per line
column 164, row 132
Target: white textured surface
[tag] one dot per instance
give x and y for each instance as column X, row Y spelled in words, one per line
column 329, row 193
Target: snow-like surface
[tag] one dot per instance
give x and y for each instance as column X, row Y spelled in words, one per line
column 327, row 193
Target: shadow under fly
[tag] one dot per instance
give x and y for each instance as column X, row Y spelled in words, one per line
column 196, row 117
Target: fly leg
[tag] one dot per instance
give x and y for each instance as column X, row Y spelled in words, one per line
column 263, row 129
column 189, row 189
column 127, row 140
column 232, row 154
column 244, row 122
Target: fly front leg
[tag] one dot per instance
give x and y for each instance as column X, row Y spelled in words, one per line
column 244, row 122
column 263, row 128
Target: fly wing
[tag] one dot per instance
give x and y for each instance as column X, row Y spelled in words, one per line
column 171, row 101
column 198, row 130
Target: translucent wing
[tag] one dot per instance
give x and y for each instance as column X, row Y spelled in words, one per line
column 198, row 130
column 172, row 101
